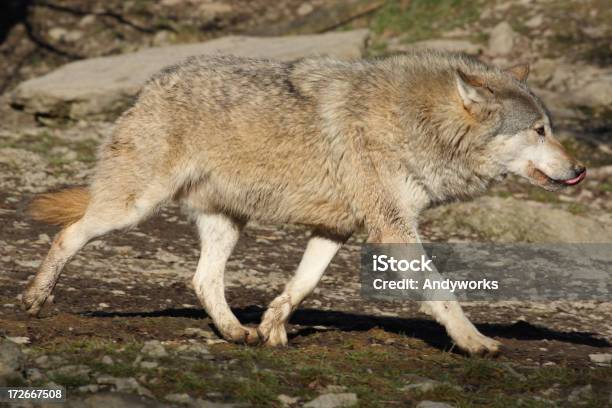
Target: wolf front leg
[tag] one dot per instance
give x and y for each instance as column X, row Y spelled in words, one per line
column 464, row 334
column 450, row 314
column 319, row 253
column 443, row 305
column 384, row 194
column 445, row 309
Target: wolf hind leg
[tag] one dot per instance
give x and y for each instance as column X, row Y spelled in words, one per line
column 319, row 253
column 107, row 210
column 219, row 234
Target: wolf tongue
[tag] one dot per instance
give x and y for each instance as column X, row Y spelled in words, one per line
column 576, row 179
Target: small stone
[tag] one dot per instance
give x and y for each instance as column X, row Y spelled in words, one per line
column 286, row 400
column 108, row 360
column 19, row 340
column 333, row 401
column 197, row 332
column 304, row 9
column 87, row 20
column 42, row 361
column 162, row 37
column 214, row 9
column 580, row 393
column 179, row 398
column 149, row 364
column 73, row 36
column 57, row 33
column 34, row 374
column 154, row 348
column 89, row 388
column 53, row 386
column 433, row 404
column 105, row 380
column 601, row 358
column 197, row 349
column 535, row 21
column 215, row 341
column 501, row 40
column 424, row 386
column 44, row 238
column 127, row 384
column 11, row 361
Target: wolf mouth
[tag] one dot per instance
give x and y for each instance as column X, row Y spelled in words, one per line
column 540, row 175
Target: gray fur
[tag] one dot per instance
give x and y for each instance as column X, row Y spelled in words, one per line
column 337, row 146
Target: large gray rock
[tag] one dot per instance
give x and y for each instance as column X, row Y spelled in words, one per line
column 103, row 87
column 512, row 220
column 574, row 90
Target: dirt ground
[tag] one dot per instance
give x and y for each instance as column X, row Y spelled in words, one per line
column 126, row 320
column 133, row 287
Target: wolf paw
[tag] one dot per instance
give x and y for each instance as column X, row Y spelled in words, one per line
column 477, row 344
column 272, row 328
column 244, row 335
column 33, row 300
column 273, row 336
column 241, row 335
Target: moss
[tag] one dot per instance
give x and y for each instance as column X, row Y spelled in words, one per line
column 423, row 19
column 577, row 208
column 70, row 381
column 605, row 187
column 375, row 365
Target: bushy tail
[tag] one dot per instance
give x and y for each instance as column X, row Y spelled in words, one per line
column 60, row 208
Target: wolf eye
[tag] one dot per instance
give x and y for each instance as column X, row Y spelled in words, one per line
column 540, row 130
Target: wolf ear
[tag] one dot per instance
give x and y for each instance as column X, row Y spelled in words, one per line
column 520, row 71
column 471, row 89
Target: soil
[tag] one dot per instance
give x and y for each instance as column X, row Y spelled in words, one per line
column 134, row 286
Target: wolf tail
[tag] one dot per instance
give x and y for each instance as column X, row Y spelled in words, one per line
column 64, row 207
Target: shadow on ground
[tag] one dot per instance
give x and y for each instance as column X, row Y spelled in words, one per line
column 423, row 329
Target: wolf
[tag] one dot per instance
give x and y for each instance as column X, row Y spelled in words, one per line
column 337, row 146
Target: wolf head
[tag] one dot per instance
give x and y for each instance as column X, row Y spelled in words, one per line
column 521, row 140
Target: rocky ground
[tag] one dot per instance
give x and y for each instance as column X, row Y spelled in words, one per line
column 125, row 328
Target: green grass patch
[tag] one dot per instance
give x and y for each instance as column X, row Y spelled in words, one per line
column 69, row 380
column 605, row 187
column 375, row 365
column 577, row 208
column 423, row 19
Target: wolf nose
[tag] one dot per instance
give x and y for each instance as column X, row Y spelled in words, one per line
column 579, row 170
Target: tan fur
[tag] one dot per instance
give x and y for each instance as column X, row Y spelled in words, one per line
column 336, row 146
column 60, row 208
